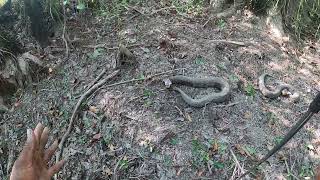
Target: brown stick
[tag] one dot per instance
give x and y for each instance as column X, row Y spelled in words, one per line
column 76, row 109
column 98, row 78
column 230, row 42
column 226, row 105
column 142, row 79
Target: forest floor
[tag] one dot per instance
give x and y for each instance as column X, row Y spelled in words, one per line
column 140, row 129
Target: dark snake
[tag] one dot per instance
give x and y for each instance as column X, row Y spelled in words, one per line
column 211, row 82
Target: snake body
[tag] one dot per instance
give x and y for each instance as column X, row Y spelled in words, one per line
column 213, row 82
column 277, row 92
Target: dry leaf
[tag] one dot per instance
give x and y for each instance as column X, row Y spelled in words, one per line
column 240, row 149
column 125, row 158
column 310, row 147
column 247, row 115
column 179, row 171
column 215, row 146
column 111, row 147
column 50, row 70
column 17, row 104
column 108, row 171
column 97, row 136
column 188, row 117
column 93, row 109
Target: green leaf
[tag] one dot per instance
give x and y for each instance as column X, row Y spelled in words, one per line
column 250, row 90
column 174, row 141
column 81, row 6
column 96, row 53
column 251, row 150
column 147, row 93
column 200, row 60
column 218, row 165
column 65, row 2
column 141, row 77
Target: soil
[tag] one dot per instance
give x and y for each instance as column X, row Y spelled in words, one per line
column 142, row 130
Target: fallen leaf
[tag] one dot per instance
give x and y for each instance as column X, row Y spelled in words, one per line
column 247, row 115
column 108, row 171
column 310, row 147
column 179, row 171
column 97, row 136
column 50, row 70
column 93, row 109
column 240, row 149
column 111, row 147
column 188, row 117
column 215, row 146
column 200, row 173
column 17, row 104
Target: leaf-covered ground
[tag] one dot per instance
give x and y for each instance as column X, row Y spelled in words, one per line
column 141, row 130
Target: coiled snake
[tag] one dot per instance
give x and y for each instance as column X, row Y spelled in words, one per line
column 278, row 91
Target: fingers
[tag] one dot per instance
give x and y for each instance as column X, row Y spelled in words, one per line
column 44, row 139
column 56, row 168
column 50, row 151
column 38, row 131
column 28, row 150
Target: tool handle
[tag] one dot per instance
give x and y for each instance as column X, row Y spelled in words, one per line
column 315, row 104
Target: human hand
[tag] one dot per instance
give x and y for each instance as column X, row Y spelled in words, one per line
column 32, row 163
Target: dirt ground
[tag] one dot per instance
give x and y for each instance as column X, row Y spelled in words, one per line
column 141, row 130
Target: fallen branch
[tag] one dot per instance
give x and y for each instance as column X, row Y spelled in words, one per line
column 76, row 109
column 98, row 78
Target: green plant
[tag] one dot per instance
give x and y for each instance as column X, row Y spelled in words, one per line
column 250, row 150
column 221, row 23
column 233, row 78
column 96, row 53
column 200, row 61
column 123, row 164
column 191, row 7
column 272, row 118
column 250, row 90
column 199, row 153
column 306, row 171
column 222, row 66
column 167, row 160
column 147, row 93
column 278, row 139
column 174, row 141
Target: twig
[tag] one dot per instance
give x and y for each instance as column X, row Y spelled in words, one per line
column 236, row 161
column 64, row 32
column 98, row 78
column 181, row 113
column 10, row 161
column 142, row 79
column 161, row 9
column 230, row 42
column 76, row 109
column 110, row 48
column 288, row 170
column 226, row 105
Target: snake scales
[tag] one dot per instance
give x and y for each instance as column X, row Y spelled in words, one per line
column 213, row 82
column 278, row 91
